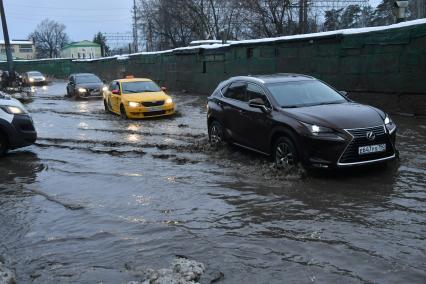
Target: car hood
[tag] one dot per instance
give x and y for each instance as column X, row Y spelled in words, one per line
column 6, row 100
column 146, row 97
column 36, row 77
column 90, row 85
column 339, row 116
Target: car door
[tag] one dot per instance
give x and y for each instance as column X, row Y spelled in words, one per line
column 234, row 104
column 115, row 96
column 258, row 123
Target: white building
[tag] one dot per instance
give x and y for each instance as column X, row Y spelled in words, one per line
column 21, row 49
column 81, row 50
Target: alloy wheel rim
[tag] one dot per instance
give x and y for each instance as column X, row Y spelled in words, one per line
column 215, row 136
column 283, row 156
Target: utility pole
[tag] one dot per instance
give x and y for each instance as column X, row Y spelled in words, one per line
column 7, row 44
column 135, row 28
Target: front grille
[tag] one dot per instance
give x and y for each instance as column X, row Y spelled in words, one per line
column 154, row 113
column 152, row 104
column 360, row 139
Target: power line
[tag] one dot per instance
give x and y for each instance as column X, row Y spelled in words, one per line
column 112, row 9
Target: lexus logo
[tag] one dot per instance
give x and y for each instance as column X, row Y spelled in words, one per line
column 371, row 136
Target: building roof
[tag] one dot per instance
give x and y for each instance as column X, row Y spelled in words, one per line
column 17, row 42
column 84, row 43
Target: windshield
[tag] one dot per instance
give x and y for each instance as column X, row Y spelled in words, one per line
column 35, row 73
column 140, row 87
column 87, row 79
column 304, row 93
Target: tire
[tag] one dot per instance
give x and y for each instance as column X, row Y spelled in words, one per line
column 285, row 153
column 123, row 113
column 3, row 144
column 216, row 134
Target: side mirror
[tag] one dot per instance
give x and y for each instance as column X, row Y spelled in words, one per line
column 164, row 89
column 115, row 92
column 258, row 103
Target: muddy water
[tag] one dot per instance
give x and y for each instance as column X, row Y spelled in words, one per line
column 99, row 199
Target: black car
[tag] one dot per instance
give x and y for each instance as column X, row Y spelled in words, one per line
column 85, row 85
column 296, row 118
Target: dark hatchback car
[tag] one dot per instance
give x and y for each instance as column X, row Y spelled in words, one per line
column 85, row 85
column 299, row 119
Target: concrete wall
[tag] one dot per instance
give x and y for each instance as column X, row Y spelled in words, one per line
column 389, row 61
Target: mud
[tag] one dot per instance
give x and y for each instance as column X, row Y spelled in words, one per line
column 100, row 199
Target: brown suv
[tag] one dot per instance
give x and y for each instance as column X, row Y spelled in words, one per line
column 296, row 118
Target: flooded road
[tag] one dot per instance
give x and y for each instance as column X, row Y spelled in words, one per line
column 99, row 199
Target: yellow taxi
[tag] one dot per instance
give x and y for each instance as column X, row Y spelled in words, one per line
column 137, row 98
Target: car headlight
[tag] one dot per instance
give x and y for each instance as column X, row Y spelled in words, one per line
column 31, row 79
column 316, row 129
column 13, row 109
column 43, row 78
column 81, row 90
column 105, row 89
column 322, row 131
column 169, row 101
column 390, row 126
column 134, row 104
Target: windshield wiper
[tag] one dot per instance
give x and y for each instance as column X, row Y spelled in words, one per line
column 292, row 106
column 329, row 103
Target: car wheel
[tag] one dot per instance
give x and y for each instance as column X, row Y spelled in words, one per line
column 216, row 134
column 285, row 153
column 3, row 145
column 123, row 113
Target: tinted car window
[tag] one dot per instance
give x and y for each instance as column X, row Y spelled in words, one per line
column 254, row 92
column 304, row 93
column 87, row 79
column 34, row 73
column 237, row 91
column 140, row 87
column 114, row 86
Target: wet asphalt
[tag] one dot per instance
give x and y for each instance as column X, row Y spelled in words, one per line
column 100, row 199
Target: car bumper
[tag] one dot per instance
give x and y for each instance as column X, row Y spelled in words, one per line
column 89, row 95
column 37, row 83
column 329, row 153
column 21, row 132
column 143, row 112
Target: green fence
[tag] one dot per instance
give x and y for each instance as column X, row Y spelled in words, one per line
column 389, row 60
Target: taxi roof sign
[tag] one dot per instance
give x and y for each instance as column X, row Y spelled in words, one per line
column 130, row 77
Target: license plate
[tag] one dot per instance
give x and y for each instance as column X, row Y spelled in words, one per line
column 372, row 149
column 157, row 108
column 95, row 93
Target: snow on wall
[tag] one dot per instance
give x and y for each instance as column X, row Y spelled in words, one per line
column 253, row 41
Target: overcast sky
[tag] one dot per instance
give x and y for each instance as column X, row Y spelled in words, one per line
column 83, row 18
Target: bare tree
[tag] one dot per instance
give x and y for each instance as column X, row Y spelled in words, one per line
column 269, row 17
column 49, row 38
